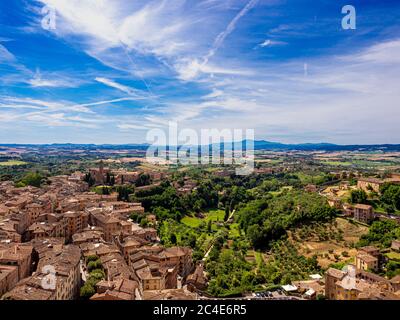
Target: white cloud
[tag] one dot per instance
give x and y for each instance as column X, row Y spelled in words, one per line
column 229, row 29
column 97, row 103
column 155, row 27
column 121, row 34
column 344, row 99
column 121, row 87
column 214, row 94
column 130, row 126
column 47, row 106
column 270, row 43
column 5, row 55
column 53, row 81
column 191, row 69
column 386, row 52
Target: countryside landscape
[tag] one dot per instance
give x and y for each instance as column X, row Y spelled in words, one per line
column 199, row 158
column 283, row 232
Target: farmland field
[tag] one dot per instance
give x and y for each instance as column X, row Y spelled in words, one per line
column 11, row 163
column 337, row 247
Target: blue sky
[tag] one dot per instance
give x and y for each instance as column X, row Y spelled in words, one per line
column 112, row 70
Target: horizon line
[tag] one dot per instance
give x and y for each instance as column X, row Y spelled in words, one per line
column 149, row 144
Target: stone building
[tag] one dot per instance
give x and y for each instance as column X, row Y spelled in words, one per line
column 18, row 255
column 8, row 278
column 363, row 213
column 370, row 184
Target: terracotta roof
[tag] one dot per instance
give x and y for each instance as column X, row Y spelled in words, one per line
column 395, row 279
column 363, row 206
column 339, row 274
column 371, row 180
column 169, row 294
column 366, row 257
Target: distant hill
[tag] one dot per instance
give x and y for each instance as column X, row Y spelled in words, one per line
column 322, row 146
column 258, row 145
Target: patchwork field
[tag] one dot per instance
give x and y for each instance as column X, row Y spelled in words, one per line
column 11, row 163
column 332, row 243
column 371, row 160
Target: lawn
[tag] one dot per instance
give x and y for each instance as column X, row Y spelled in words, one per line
column 213, row 215
column 10, row 163
column 337, row 163
column 276, row 193
column 259, row 258
column 307, row 178
column 378, row 208
column 271, row 161
column 234, row 230
column 369, row 163
column 393, row 255
column 193, row 222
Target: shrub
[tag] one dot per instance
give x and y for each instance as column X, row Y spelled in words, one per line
column 87, row 290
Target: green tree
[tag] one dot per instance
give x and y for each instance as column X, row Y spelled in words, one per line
column 89, row 179
column 358, row 196
column 209, row 226
column 143, row 222
column 32, row 179
column 390, row 196
column 87, row 290
column 255, row 235
column 173, row 238
column 92, row 258
column 92, row 265
column 226, row 216
column 191, row 241
column 143, row 180
column 105, row 190
column 381, row 233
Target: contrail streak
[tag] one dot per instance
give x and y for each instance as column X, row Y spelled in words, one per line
column 229, row 29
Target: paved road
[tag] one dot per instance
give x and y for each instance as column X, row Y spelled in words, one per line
column 231, row 215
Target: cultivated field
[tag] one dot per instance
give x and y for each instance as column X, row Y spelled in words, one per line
column 11, row 163
column 332, row 243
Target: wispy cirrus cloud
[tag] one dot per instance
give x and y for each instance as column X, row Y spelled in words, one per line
column 270, row 43
column 219, row 40
column 113, row 84
column 113, row 31
column 47, row 113
column 5, row 55
column 57, row 80
column 208, row 63
column 335, row 99
column 189, row 70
